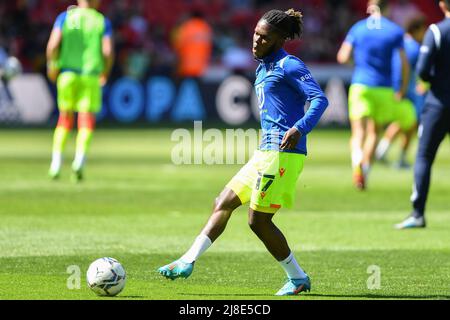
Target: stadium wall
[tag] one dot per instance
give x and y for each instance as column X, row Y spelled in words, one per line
column 224, row 99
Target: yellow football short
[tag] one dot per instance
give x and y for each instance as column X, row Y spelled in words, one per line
column 268, row 181
column 371, row 102
column 405, row 114
column 79, row 93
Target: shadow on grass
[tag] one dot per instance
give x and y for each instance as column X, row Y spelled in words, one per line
column 361, row 296
column 403, row 269
column 379, row 296
column 225, row 295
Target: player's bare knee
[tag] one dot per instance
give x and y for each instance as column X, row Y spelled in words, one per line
column 226, row 202
column 257, row 225
column 223, row 206
column 253, row 225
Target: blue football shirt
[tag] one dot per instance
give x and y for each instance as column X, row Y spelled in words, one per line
column 374, row 42
column 283, row 85
column 412, row 50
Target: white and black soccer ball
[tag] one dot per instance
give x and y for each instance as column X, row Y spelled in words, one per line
column 11, row 68
column 106, row 277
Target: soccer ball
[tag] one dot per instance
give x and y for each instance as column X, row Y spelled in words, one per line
column 11, row 68
column 106, row 277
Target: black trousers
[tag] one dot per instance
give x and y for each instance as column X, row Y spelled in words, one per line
column 434, row 126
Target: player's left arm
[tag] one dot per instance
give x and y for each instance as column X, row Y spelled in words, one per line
column 405, row 65
column 107, row 51
column 301, row 78
column 406, row 74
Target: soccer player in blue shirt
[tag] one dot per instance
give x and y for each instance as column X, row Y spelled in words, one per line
column 414, row 100
column 283, row 85
column 433, row 66
column 373, row 43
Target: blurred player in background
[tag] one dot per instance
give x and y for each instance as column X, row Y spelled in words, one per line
column 373, row 43
column 193, row 46
column 268, row 181
column 433, row 66
column 80, row 58
column 3, row 58
column 415, row 29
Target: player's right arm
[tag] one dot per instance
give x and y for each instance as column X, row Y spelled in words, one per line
column 107, row 51
column 344, row 55
column 52, row 54
column 53, row 46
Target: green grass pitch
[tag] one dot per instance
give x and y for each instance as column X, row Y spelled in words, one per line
column 137, row 207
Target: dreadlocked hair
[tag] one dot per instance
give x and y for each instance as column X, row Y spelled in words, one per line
column 289, row 23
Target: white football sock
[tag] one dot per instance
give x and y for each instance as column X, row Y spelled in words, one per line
column 56, row 162
column 78, row 162
column 201, row 244
column 357, row 157
column 292, row 268
column 382, row 149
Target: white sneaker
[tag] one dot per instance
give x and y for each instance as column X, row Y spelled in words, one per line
column 411, row 222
